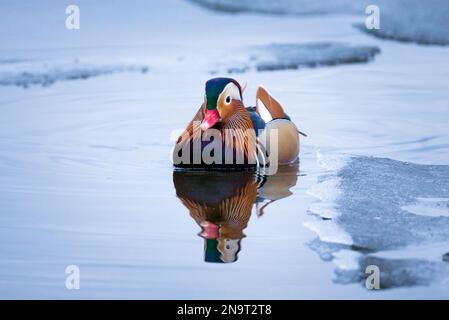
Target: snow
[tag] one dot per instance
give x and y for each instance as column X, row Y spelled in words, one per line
column 378, row 188
column 301, row 7
column 375, row 195
column 293, row 56
column 85, row 174
column 423, row 22
column 327, row 191
column 434, row 207
column 396, row 273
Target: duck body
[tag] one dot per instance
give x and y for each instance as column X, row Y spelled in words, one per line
column 225, row 135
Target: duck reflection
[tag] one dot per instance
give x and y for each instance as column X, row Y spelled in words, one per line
column 221, row 203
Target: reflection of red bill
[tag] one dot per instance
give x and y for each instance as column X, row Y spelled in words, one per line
column 211, row 117
column 210, row 230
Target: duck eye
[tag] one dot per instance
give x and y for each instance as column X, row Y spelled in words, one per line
column 228, row 99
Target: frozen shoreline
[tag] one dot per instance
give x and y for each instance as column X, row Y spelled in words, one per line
column 401, row 20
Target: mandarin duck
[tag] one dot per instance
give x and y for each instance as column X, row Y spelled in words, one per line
column 226, row 134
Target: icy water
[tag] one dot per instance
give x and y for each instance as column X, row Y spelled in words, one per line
column 86, row 178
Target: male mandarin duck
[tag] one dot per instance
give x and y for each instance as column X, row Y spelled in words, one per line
column 242, row 138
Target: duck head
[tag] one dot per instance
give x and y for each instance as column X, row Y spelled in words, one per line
column 222, row 94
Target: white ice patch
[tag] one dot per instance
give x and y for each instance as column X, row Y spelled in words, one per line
column 329, row 231
column 291, row 56
column 285, row 56
column 423, row 22
column 300, row 7
column 327, row 192
column 431, row 207
column 430, row 252
column 419, row 21
column 334, row 163
column 45, row 74
column 347, row 259
column 325, row 210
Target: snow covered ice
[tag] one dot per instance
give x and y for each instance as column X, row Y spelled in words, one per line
column 287, row 56
column 45, row 75
column 371, row 200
